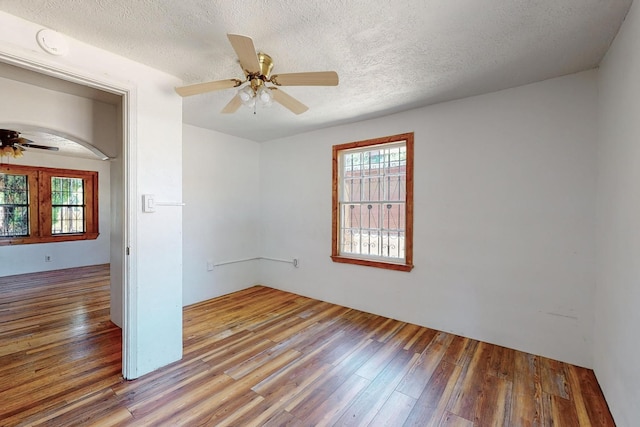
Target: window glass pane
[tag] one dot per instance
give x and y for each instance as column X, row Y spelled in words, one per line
column 372, row 188
column 67, row 191
column 350, row 241
column 374, row 175
column 14, row 205
column 395, row 174
column 373, row 229
column 393, row 216
column 392, row 244
column 14, row 221
column 67, row 219
column 67, row 205
column 352, row 189
column 351, row 216
column 370, row 242
column 370, row 216
column 372, row 162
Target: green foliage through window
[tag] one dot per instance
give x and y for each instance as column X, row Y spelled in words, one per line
column 67, row 204
column 14, row 205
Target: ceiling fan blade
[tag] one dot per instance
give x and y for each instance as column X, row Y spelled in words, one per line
column 233, row 105
column 288, row 101
column 314, row 78
column 199, row 88
column 246, row 51
column 40, row 147
column 23, row 141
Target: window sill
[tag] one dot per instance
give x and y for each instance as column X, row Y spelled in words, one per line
column 48, row 239
column 370, row 263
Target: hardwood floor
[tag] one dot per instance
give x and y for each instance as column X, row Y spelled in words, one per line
column 263, row 357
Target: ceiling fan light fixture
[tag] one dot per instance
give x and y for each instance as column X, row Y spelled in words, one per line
column 8, row 151
column 247, row 96
column 264, row 95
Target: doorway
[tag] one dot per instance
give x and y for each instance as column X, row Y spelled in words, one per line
column 121, row 168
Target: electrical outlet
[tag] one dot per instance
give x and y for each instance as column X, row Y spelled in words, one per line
column 47, row 258
column 296, row 262
column 209, row 265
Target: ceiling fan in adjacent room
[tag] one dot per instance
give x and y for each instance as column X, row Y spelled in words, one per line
column 257, row 73
column 12, row 144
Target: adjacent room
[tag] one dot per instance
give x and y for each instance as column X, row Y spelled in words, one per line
column 319, row 213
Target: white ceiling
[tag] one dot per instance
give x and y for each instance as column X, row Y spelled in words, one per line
column 67, row 146
column 390, row 55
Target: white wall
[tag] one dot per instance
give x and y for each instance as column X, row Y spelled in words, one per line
column 617, row 327
column 21, row 259
column 221, row 190
column 504, row 218
column 85, row 119
column 73, row 115
column 155, row 137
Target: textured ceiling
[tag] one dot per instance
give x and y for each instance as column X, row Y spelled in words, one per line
column 390, row 55
column 65, row 146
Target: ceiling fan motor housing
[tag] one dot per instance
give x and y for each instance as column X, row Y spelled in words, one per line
column 8, row 137
column 266, row 64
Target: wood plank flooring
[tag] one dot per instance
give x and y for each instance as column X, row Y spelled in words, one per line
column 263, row 357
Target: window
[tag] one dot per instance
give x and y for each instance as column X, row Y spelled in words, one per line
column 373, row 202
column 67, row 205
column 14, row 205
column 39, row 205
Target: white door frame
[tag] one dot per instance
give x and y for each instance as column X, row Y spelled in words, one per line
column 128, row 94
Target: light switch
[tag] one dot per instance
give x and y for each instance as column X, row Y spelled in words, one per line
column 148, row 203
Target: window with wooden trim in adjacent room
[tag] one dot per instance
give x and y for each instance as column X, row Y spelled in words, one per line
column 372, row 212
column 40, row 205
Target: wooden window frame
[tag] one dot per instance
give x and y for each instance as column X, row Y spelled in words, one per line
column 40, row 210
column 336, row 256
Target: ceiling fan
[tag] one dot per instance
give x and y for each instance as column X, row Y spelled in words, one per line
column 12, row 144
column 257, row 71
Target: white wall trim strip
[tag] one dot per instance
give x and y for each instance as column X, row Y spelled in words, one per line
column 235, row 261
